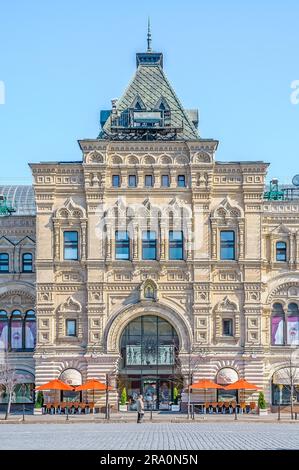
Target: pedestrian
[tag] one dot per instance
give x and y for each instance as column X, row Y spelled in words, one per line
column 140, row 409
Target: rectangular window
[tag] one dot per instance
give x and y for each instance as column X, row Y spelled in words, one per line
column 116, row 181
column 175, row 244
column 227, row 245
column 70, row 245
column 71, row 328
column 132, row 181
column 149, row 245
column 165, row 181
column 122, row 245
column 27, row 263
column 227, row 327
column 148, row 180
column 281, row 251
column 181, row 181
column 4, row 263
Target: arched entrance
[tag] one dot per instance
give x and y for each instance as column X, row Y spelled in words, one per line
column 149, row 347
column 227, row 376
column 71, row 377
column 285, row 386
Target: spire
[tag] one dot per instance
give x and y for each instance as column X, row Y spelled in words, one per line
column 149, row 36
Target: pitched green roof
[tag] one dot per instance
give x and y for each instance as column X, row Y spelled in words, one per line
column 150, row 85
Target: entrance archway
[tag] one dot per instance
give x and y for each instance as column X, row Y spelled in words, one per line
column 149, row 348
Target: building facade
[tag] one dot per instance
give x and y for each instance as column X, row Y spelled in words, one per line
column 156, row 264
column 17, row 289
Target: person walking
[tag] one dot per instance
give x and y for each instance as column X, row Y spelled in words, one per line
column 140, row 409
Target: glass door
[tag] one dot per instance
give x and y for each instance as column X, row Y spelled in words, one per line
column 150, row 393
column 164, row 394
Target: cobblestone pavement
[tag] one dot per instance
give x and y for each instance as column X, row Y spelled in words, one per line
column 148, row 436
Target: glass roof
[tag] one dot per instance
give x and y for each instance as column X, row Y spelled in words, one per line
column 21, row 198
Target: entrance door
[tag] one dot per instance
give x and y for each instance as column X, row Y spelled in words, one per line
column 164, row 394
column 150, row 393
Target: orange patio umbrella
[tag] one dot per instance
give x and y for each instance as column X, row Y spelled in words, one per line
column 205, row 384
column 55, row 384
column 93, row 384
column 241, row 384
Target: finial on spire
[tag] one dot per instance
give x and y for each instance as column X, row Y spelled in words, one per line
column 149, row 36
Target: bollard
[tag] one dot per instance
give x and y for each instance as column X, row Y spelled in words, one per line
column 236, row 415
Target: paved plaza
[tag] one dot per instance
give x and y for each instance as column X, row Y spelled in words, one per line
column 150, row 436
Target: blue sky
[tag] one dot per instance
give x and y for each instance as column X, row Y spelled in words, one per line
column 62, row 61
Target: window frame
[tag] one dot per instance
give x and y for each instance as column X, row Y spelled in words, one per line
column 231, row 328
column 181, row 179
column 67, row 322
column 227, row 244
column 71, row 245
column 27, row 263
column 118, row 180
column 148, row 243
column 175, row 244
column 280, row 250
column 151, row 180
column 168, row 181
column 122, row 243
column 129, row 181
column 4, row 263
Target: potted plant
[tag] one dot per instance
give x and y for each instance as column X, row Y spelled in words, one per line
column 262, row 406
column 123, row 400
column 39, row 403
column 175, row 406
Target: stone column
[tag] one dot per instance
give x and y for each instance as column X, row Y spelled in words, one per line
column 163, row 241
column 173, row 176
column 214, row 241
column 109, row 242
column 136, row 243
column 241, row 240
column 83, row 241
column 56, row 240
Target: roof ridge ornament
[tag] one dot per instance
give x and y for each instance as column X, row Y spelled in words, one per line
column 149, row 36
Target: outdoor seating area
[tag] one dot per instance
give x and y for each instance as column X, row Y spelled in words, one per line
column 224, row 407
column 68, row 408
column 72, row 407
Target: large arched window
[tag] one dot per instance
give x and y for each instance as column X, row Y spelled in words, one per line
column 277, row 325
column 293, row 324
column 148, row 341
column 30, row 330
column 16, row 330
column 3, row 330
column 285, row 325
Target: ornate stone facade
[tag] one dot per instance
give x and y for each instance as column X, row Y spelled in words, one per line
column 220, row 307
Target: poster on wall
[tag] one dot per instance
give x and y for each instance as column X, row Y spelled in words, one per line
column 136, row 355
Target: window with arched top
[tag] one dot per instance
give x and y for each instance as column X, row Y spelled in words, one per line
column 4, row 262
column 293, row 324
column 149, row 292
column 285, row 324
column 277, row 324
column 30, row 329
column 281, row 251
column 27, row 263
column 16, row 330
column 3, row 330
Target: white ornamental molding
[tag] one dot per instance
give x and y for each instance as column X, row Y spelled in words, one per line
column 71, row 305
